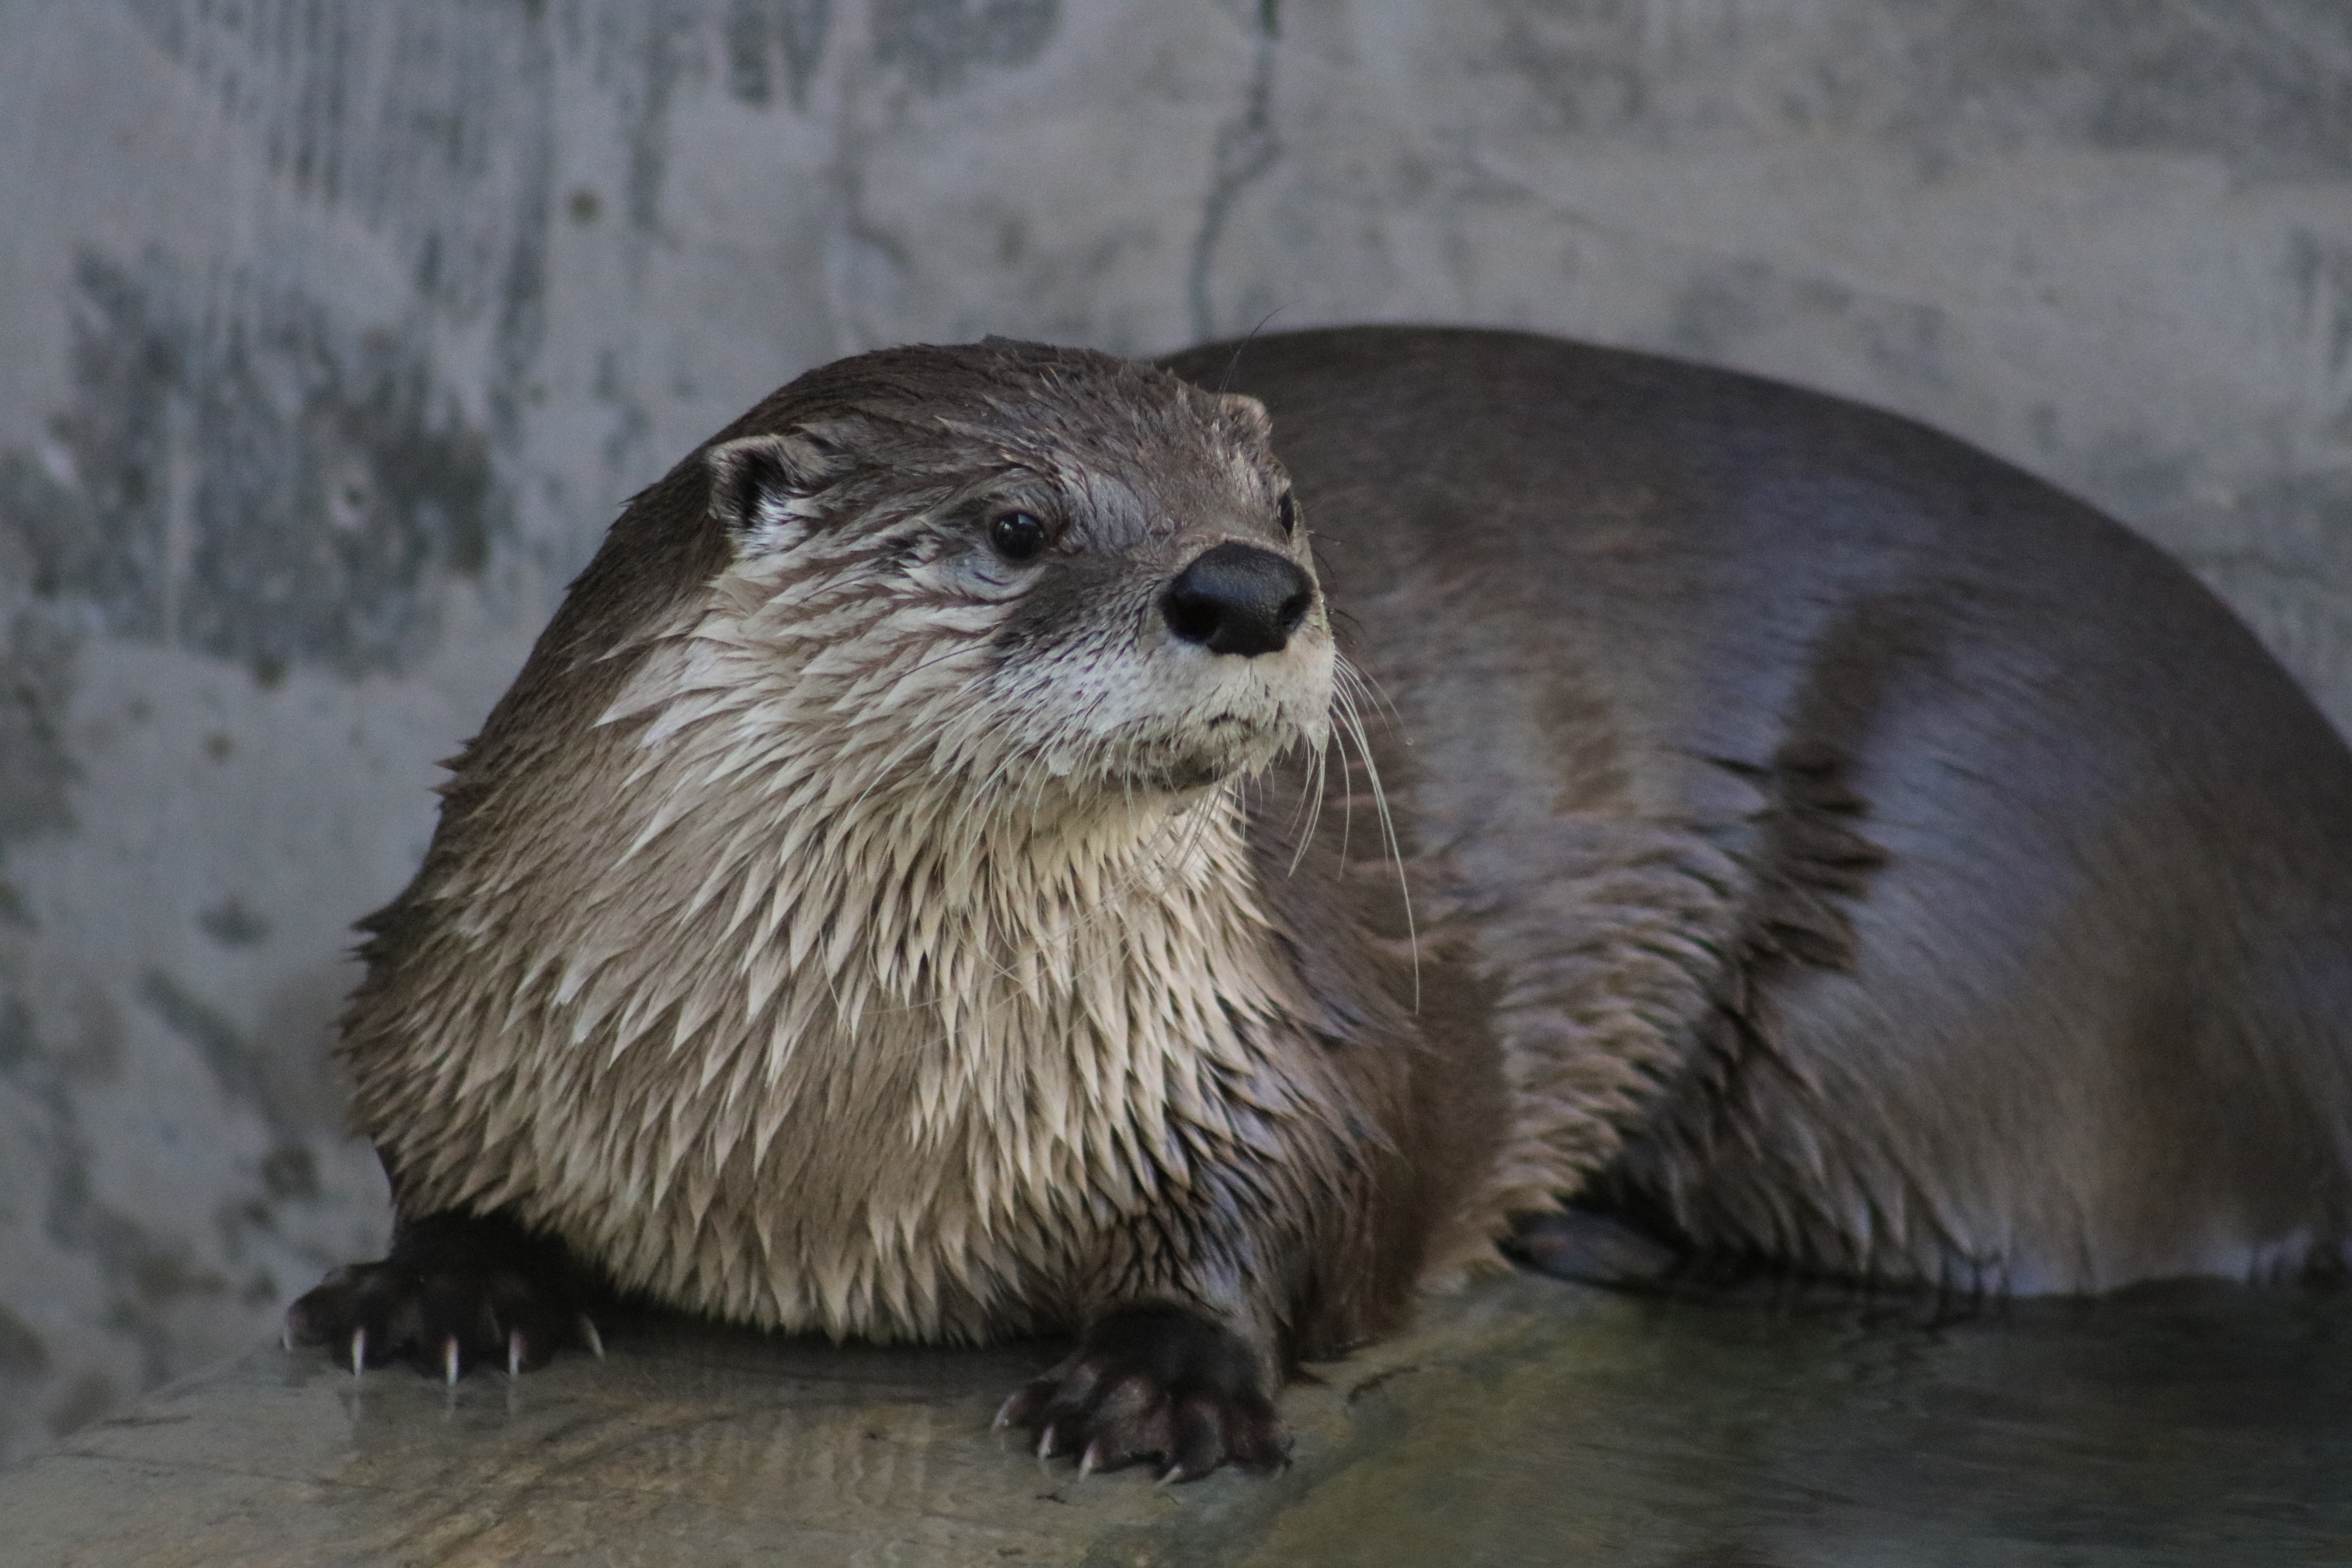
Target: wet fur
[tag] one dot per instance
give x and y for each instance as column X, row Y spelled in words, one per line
column 1825, row 847
column 825, row 948
column 1923, row 878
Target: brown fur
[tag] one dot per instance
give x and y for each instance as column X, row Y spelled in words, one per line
column 773, row 955
column 1824, row 845
column 1922, row 879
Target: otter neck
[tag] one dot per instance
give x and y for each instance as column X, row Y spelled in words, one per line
column 946, row 1018
column 927, row 864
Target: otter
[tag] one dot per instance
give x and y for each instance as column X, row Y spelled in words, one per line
column 1003, row 840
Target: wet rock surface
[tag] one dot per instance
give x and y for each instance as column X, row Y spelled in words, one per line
column 1522, row 1421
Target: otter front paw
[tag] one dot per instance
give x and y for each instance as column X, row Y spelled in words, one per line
column 1158, row 1384
column 458, row 1290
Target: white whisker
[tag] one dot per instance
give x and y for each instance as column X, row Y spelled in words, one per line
column 1352, row 723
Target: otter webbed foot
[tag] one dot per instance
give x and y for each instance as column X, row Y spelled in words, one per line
column 458, row 1291
column 1153, row 1383
column 1595, row 1248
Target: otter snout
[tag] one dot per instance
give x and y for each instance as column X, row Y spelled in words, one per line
column 1238, row 598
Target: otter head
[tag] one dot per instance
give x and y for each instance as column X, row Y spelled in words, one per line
column 1049, row 571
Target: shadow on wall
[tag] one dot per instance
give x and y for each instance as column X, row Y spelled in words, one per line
column 249, row 481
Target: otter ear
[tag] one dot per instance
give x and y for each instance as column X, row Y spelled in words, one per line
column 1248, row 413
column 760, row 486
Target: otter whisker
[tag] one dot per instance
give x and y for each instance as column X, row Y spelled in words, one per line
column 1309, row 807
column 1352, row 724
column 1360, row 680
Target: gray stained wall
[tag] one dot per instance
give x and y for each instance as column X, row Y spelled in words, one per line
column 332, row 335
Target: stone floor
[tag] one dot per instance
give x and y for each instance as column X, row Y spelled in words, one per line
column 1525, row 1422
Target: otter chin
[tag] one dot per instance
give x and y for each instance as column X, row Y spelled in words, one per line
column 934, row 880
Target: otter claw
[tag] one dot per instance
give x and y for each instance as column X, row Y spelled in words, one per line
column 359, row 1352
column 449, row 1367
column 589, row 1336
column 1157, row 1385
column 514, row 1353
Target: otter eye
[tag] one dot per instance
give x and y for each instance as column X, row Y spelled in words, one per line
column 1286, row 511
column 1017, row 535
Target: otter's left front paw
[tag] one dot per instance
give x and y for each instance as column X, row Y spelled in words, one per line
column 1155, row 1383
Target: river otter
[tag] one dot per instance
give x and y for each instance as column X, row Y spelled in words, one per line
column 942, row 877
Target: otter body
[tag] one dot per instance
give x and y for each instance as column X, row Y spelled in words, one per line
column 919, row 889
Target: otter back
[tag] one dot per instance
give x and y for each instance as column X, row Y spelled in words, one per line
column 2019, row 875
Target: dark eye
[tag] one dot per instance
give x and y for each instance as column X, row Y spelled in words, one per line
column 1286, row 510
column 1017, row 535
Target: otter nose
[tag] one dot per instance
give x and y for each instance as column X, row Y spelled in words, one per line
column 1238, row 598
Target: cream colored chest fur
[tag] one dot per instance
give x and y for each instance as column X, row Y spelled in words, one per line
column 813, row 1040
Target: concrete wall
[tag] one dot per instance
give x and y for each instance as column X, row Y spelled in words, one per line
column 331, row 335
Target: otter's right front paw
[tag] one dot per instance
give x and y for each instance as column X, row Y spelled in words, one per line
column 1153, row 1382
column 458, row 1290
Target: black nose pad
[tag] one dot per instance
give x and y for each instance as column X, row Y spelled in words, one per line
column 1238, row 598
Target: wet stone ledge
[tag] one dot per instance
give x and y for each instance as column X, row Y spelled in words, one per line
column 1522, row 1422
